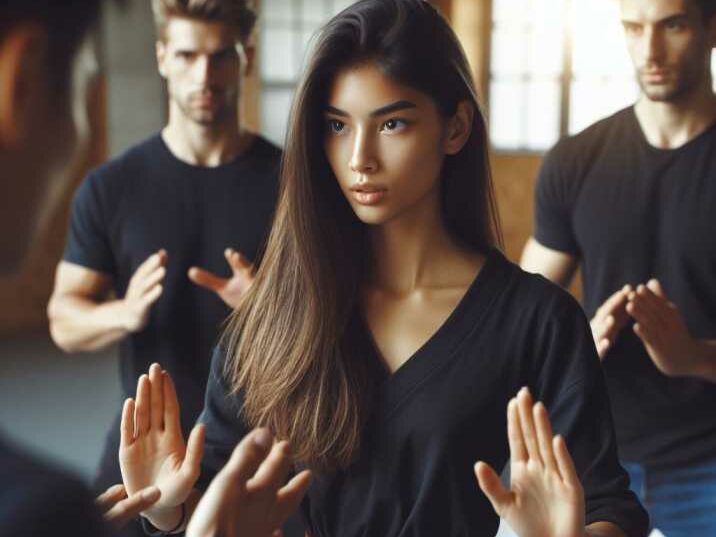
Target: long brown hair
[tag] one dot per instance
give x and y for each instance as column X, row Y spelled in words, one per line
column 290, row 345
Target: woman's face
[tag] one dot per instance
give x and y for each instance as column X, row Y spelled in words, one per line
column 385, row 143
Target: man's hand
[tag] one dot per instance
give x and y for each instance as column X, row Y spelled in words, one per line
column 661, row 328
column 249, row 496
column 118, row 509
column 609, row 319
column 152, row 450
column 231, row 289
column 144, row 289
column 546, row 496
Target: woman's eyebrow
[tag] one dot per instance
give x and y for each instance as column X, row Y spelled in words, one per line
column 383, row 110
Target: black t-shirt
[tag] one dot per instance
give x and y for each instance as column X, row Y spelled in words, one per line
column 445, row 408
column 147, row 199
column 39, row 500
column 632, row 212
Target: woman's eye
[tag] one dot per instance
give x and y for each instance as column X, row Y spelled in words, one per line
column 394, row 125
column 335, row 126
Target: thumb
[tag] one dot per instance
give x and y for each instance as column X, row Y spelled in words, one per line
column 490, row 483
column 206, row 279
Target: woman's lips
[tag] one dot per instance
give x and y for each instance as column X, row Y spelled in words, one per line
column 368, row 196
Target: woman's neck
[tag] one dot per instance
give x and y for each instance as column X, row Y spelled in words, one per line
column 415, row 251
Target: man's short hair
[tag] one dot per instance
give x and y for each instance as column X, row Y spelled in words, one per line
column 66, row 24
column 240, row 13
column 707, row 7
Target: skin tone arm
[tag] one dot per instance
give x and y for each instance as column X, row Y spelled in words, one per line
column 661, row 327
column 545, row 496
column 118, row 508
column 559, row 267
column 152, row 452
column 230, row 289
column 82, row 318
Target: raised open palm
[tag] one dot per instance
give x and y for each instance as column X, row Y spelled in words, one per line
column 545, row 496
column 152, row 449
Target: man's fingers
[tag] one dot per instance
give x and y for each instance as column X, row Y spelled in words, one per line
column 564, row 461
column 142, row 406
column 644, row 309
column 615, row 302
column 603, row 345
column 236, row 261
column 646, row 335
column 156, row 381
column 172, row 418
column 490, row 483
column 529, row 433
column 125, row 510
column 150, row 264
column 518, row 450
column 151, row 296
column 655, row 286
column 147, row 284
column 127, row 427
column 544, row 435
column 111, row 496
column 291, row 494
column 206, row 279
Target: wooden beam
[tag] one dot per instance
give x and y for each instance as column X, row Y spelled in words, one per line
column 471, row 22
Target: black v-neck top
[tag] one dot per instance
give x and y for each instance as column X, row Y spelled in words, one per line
column 445, row 408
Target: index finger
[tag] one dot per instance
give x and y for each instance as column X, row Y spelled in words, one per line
column 204, row 278
column 615, row 301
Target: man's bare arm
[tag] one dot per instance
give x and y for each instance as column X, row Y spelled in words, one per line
column 84, row 317
column 558, row 267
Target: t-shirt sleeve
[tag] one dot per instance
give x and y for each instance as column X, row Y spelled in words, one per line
column 224, row 427
column 554, row 202
column 87, row 241
column 572, row 386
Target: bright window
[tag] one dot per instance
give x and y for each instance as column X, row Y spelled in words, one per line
column 556, row 67
column 286, row 29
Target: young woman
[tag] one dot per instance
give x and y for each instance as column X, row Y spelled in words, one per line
column 385, row 334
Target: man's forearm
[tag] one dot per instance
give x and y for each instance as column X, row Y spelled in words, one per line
column 79, row 324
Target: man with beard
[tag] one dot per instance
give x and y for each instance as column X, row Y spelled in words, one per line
column 151, row 229
column 632, row 199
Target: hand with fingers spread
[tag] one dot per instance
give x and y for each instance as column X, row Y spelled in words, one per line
column 546, row 496
column 250, row 496
column 119, row 509
column 145, row 288
column 152, row 450
column 661, row 328
column 230, row 289
column 609, row 319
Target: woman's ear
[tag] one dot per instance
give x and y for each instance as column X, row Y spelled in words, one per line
column 23, row 66
column 459, row 128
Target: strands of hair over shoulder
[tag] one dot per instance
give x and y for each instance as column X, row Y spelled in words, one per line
column 289, row 345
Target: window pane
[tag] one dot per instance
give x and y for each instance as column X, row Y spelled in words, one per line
column 599, row 46
column 278, row 54
column 511, row 11
column 277, row 10
column 542, row 114
column 313, row 12
column 509, row 51
column 275, row 107
column 545, row 49
column 506, row 114
column 593, row 99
